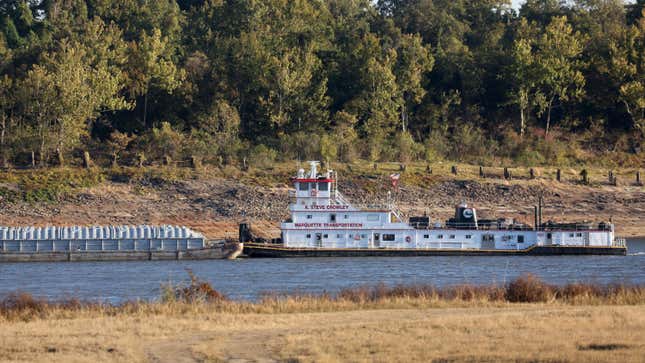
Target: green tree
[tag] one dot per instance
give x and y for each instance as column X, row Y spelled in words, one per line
column 523, row 73
column 558, row 66
column 155, row 69
column 414, row 61
column 345, row 135
column 6, row 103
column 63, row 94
column 629, row 64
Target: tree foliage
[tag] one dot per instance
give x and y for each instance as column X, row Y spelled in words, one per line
column 338, row 79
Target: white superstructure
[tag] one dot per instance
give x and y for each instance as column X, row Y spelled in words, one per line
column 322, row 218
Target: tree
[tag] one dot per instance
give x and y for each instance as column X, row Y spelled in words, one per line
column 414, row 61
column 39, row 102
column 523, row 73
column 345, row 135
column 558, row 66
column 154, row 68
column 629, row 66
column 63, row 94
column 6, row 103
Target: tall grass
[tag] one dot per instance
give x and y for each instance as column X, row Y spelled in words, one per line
column 199, row 296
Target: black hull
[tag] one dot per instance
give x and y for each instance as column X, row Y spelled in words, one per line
column 277, row 251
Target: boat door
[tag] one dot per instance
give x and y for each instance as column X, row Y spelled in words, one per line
column 377, row 240
column 549, row 238
column 318, row 239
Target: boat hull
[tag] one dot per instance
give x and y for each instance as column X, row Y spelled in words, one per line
column 277, row 251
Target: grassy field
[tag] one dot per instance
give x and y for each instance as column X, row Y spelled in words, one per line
column 517, row 333
column 523, row 321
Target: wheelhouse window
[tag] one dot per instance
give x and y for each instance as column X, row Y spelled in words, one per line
column 323, row 187
column 303, row 186
column 578, row 234
column 372, row 217
column 388, row 237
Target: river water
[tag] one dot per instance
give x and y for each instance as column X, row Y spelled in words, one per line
column 247, row 279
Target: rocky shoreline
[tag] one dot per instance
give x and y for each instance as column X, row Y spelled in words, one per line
column 223, row 202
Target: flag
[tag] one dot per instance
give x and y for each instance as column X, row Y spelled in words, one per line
column 394, row 178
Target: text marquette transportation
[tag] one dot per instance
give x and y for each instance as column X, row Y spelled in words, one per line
column 324, row 224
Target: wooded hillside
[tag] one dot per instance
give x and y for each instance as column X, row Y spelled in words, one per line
column 227, row 81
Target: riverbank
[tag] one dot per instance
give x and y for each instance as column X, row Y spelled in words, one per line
column 213, row 201
column 525, row 320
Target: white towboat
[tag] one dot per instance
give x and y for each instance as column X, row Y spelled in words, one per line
column 324, row 223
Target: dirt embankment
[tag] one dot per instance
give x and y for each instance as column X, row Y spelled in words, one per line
column 215, row 205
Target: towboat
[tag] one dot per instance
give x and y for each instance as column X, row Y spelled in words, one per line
column 324, row 223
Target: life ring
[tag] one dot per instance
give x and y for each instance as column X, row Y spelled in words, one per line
column 408, row 239
column 357, row 237
column 314, row 192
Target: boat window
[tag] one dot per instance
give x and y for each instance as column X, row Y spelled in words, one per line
column 325, row 236
column 363, row 236
column 469, row 236
column 452, row 236
column 372, row 217
column 520, row 239
column 308, row 236
column 426, row 236
column 303, row 186
column 339, row 236
column 345, row 216
column 388, row 237
column 376, row 236
column 323, row 187
column 440, row 236
column 332, row 218
column 309, row 216
column 570, row 234
column 578, row 234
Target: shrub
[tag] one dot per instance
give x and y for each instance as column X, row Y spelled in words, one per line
column 197, row 291
column 528, row 289
column 262, row 156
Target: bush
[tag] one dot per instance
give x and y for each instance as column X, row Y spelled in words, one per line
column 528, row 289
column 197, row 291
column 300, row 145
column 262, row 156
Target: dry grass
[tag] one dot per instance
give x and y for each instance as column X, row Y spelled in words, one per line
column 199, row 297
column 526, row 320
column 512, row 333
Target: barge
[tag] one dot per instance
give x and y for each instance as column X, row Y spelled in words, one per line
column 324, row 223
column 109, row 243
